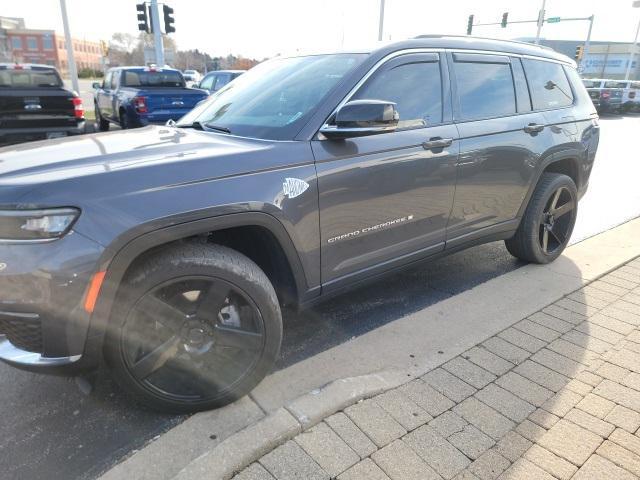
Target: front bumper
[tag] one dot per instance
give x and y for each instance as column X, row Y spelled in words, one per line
column 43, row 323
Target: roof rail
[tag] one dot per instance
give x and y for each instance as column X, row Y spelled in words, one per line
column 544, row 47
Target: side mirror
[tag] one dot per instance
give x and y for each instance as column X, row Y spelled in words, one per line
column 361, row 118
column 96, row 85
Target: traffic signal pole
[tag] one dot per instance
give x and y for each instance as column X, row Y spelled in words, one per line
column 540, row 22
column 73, row 72
column 157, row 32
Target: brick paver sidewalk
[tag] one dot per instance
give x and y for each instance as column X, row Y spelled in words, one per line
column 555, row 396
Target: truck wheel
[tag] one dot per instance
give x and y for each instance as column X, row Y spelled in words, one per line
column 548, row 221
column 194, row 327
column 124, row 121
column 103, row 125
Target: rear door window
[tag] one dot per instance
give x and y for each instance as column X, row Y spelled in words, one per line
column 414, row 85
column 548, row 84
column 221, row 81
column 485, row 86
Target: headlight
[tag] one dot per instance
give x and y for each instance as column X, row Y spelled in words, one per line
column 36, row 225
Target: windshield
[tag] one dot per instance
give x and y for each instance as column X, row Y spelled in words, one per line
column 274, row 99
column 29, row 78
column 153, row 78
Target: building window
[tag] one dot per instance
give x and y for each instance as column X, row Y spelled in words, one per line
column 47, row 42
column 32, row 43
column 16, row 43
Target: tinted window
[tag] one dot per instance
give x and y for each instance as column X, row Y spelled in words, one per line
column 485, row 90
column 207, row 82
column 548, row 84
column 221, row 81
column 29, row 78
column 416, row 88
column 153, row 78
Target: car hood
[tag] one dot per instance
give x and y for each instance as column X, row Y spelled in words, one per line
column 122, row 162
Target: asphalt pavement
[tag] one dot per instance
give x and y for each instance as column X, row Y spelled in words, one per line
column 50, row 429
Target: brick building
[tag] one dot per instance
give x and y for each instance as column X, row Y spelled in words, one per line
column 19, row 44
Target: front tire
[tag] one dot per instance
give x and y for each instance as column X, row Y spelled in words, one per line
column 548, row 221
column 103, row 125
column 195, row 327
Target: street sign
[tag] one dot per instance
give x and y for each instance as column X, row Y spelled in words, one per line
column 553, row 20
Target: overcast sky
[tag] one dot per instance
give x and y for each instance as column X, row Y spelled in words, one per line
column 263, row 28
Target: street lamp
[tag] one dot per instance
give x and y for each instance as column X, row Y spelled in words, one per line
column 635, row 4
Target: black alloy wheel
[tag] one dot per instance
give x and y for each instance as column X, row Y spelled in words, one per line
column 194, row 327
column 202, row 331
column 555, row 222
column 548, row 221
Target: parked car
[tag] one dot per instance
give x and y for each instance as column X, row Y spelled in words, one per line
column 194, row 74
column 214, row 81
column 605, row 94
column 630, row 95
column 34, row 104
column 190, row 80
column 169, row 251
column 137, row 96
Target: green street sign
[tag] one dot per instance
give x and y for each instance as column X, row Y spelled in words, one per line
column 553, row 20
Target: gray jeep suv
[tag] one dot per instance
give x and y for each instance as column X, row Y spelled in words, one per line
column 168, row 251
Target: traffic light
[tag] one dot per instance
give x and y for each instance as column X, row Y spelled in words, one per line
column 143, row 18
column 579, row 53
column 168, row 19
column 470, row 25
column 503, row 24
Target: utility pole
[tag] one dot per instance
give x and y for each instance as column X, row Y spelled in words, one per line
column 381, row 25
column 157, row 32
column 540, row 21
column 635, row 4
column 73, row 72
column 587, row 44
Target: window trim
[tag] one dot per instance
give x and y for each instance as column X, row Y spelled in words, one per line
column 457, row 112
column 573, row 93
column 447, row 118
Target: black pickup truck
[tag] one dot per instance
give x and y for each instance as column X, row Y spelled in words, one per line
column 35, row 105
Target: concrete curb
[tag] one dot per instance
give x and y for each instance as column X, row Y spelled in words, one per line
column 250, row 444
column 298, row 406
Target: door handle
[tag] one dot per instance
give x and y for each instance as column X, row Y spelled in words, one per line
column 534, row 128
column 437, row 142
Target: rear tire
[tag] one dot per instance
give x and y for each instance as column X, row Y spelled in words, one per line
column 548, row 221
column 195, row 326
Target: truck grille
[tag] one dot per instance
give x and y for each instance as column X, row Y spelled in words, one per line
column 22, row 330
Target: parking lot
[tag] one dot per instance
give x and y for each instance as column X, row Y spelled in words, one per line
column 60, row 432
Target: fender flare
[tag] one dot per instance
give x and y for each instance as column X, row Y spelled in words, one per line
column 550, row 159
column 118, row 257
